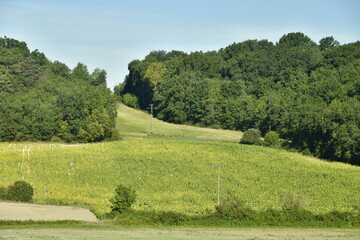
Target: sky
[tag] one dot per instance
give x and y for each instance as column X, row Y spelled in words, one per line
column 108, row 34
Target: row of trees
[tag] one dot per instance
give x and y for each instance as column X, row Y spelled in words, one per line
column 309, row 93
column 44, row 100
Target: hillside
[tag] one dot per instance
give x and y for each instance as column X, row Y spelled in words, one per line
column 132, row 122
column 176, row 174
column 307, row 92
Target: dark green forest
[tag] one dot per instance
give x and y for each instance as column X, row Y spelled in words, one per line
column 307, row 92
column 45, row 100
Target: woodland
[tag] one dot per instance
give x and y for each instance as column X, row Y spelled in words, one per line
column 43, row 100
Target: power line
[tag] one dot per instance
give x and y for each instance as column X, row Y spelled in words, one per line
column 152, row 119
column 218, row 180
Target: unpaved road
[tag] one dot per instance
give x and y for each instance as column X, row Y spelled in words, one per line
column 36, row 212
column 174, row 233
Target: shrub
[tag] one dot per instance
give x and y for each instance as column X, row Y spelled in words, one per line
column 235, row 209
column 272, row 139
column 171, row 218
column 3, row 193
column 21, row 191
column 21, row 137
column 251, row 136
column 357, row 210
column 115, row 135
column 130, row 100
column 293, row 201
column 338, row 217
column 123, row 199
column 56, row 139
column 298, row 215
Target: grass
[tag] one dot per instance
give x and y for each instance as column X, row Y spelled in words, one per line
column 171, row 233
column 176, row 175
column 131, row 122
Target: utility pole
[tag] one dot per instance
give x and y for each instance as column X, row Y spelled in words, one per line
column 218, row 180
column 151, row 119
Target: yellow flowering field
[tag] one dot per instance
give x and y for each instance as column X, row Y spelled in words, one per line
column 176, row 175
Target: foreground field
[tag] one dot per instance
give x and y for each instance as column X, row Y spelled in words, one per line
column 176, row 174
column 36, row 212
column 137, row 123
column 180, row 233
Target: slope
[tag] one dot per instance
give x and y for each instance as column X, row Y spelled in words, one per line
column 176, row 174
column 137, row 123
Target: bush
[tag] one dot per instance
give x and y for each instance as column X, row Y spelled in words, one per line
column 336, row 216
column 123, row 199
column 272, row 139
column 171, row 218
column 251, row 136
column 298, row 215
column 235, row 209
column 293, row 202
column 56, row 139
column 235, row 212
column 130, row 100
column 3, row 193
column 21, row 137
column 21, row 191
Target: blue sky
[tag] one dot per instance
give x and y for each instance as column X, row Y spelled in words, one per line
column 109, row 34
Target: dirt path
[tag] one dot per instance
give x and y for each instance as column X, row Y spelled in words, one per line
column 25, row 211
column 134, row 233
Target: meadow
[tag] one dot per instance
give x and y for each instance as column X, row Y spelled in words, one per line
column 131, row 122
column 176, row 175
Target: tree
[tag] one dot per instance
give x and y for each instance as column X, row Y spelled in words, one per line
column 325, row 83
column 21, row 191
column 155, row 73
column 60, row 69
column 5, row 83
column 39, row 57
column 251, row 136
column 327, row 43
column 118, row 89
column 342, row 123
column 123, row 199
column 98, row 77
column 295, row 39
column 272, row 139
column 130, row 100
column 80, row 72
column 342, row 55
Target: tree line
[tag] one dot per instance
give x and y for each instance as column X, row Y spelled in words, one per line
column 45, row 100
column 309, row 93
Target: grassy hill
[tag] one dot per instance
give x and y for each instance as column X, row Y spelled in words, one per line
column 176, row 174
column 131, row 122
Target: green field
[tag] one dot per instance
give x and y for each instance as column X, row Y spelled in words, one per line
column 131, row 122
column 176, row 174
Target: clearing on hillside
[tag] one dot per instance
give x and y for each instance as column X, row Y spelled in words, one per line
column 132, row 122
